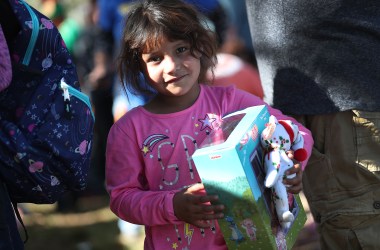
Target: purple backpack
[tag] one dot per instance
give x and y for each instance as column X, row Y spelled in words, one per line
column 5, row 62
column 46, row 122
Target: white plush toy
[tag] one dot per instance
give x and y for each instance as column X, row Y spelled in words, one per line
column 277, row 138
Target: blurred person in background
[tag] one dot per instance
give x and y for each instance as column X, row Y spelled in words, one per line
column 67, row 26
column 113, row 102
column 233, row 70
column 238, row 36
column 101, row 94
column 236, row 60
column 110, row 25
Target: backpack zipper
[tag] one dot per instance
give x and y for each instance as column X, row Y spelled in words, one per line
column 34, row 36
column 69, row 90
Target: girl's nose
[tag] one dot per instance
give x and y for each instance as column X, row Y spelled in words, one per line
column 170, row 65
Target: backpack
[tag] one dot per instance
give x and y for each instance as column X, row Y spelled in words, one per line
column 46, row 122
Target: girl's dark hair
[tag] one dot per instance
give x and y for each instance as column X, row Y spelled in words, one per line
column 151, row 21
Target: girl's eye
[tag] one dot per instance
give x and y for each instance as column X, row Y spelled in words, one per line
column 154, row 59
column 181, row 49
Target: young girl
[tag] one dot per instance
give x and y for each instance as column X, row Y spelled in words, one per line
column 150, row 175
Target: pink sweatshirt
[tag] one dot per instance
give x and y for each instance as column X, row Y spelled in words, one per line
column 149, row 159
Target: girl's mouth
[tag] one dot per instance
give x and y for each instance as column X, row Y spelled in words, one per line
column 175, row 79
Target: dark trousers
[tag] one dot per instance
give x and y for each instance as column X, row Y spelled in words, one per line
column 102, row 100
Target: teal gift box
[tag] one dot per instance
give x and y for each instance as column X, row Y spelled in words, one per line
column 230, row 164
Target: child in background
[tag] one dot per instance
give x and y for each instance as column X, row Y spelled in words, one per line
column 150, row 175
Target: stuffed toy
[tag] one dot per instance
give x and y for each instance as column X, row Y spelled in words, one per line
column 277, row 138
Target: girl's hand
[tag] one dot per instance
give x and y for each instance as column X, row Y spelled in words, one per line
column 295, row 184
column 193, row 207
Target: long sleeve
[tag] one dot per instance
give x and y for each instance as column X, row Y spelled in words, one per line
column 127, row 184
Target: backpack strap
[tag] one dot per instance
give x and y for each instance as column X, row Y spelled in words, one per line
column 18, row 215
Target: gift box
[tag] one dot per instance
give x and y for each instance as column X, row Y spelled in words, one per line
column 230, row 164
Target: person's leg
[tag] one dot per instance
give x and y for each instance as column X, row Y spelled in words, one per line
column 102, row 99
column 341, row 192
column 351, row 232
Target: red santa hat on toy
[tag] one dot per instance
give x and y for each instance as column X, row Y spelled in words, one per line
column 300, row 154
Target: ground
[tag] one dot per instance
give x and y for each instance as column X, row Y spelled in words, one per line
column 94, row 227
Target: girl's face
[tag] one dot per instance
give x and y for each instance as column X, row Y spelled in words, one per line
column 172, row 69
